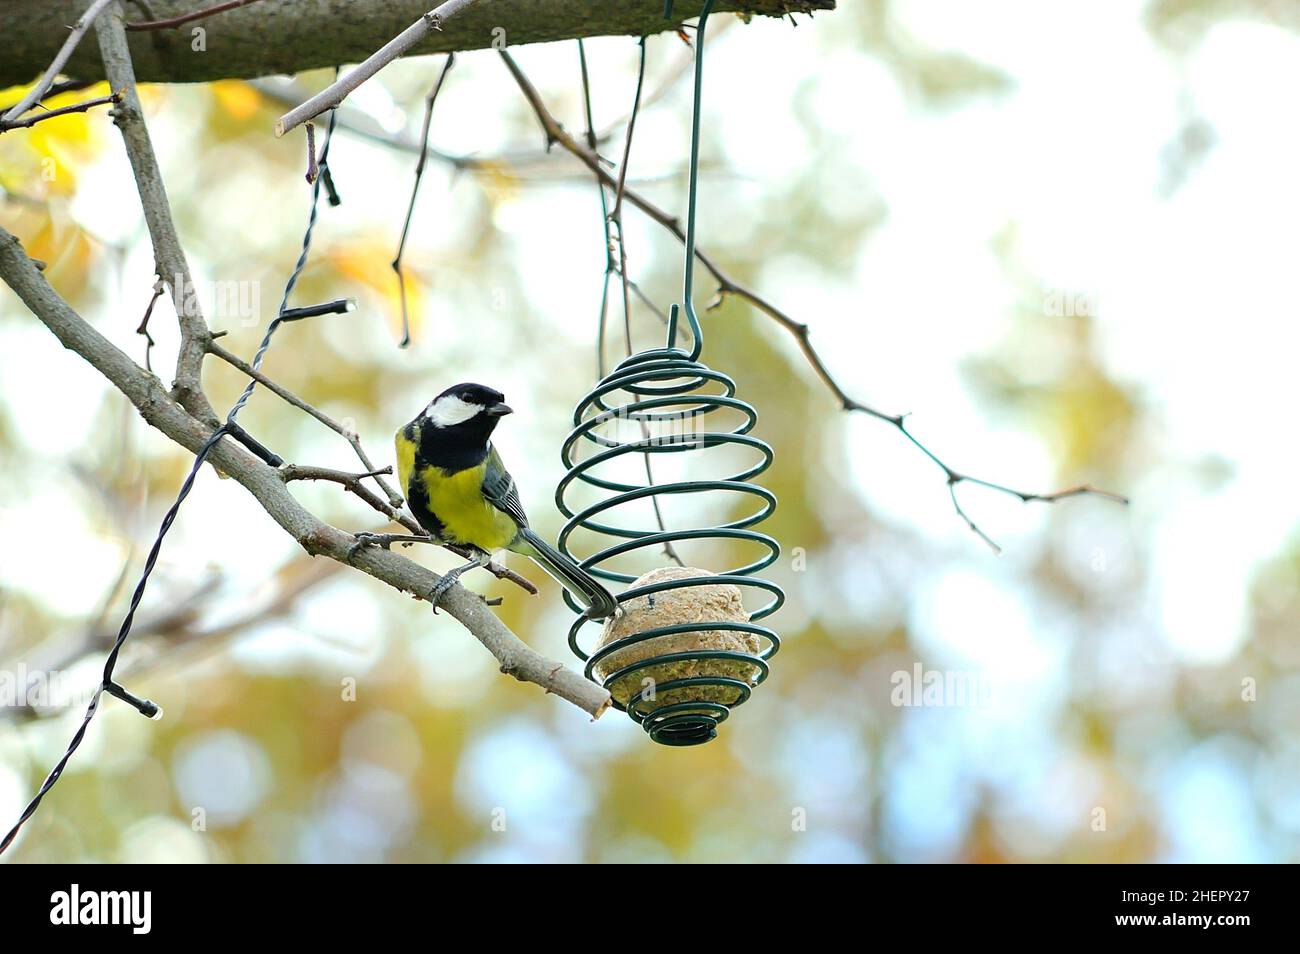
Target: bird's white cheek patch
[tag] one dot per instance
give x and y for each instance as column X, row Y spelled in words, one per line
column 450, row 410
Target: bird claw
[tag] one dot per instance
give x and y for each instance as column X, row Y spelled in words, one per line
column 450, row 579
column 366, row 539
column 440, row 590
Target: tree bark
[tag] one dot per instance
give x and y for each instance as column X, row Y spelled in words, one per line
column 288, row 36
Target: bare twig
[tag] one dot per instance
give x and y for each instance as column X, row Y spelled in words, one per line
column 313, row 168
column 79, row 29
column 556, row 133
column 269, row 489
column 185, row 18
column 169, row 258
column 353, row 482
column 415, row 189
column 336, row 92
column 143, row 329
column 81, row 107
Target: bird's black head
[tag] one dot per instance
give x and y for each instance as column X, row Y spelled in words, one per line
column 468, row 411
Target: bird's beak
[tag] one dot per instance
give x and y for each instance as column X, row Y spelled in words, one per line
column 500, row 409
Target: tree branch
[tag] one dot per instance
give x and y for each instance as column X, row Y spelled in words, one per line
column 169, row 258
column 290, row 36
column 556, row 134
column 269, row 489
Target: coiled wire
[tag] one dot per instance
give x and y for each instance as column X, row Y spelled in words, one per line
column 665, row 385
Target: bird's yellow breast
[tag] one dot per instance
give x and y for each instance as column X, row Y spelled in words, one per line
column 454, row 500
column 467, row 516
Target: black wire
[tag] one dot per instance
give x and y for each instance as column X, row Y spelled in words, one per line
column 229, row 428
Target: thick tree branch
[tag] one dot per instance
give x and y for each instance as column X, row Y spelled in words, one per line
column 169, row 258
column 289, row 36
column 268, row 487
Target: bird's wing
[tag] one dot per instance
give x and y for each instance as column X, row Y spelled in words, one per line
column 500, row 490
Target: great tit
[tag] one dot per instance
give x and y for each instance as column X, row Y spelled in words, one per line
column 459, row 491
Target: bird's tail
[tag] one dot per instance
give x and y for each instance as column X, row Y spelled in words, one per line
column 600, row 602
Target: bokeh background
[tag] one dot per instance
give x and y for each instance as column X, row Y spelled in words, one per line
column 1062, row 236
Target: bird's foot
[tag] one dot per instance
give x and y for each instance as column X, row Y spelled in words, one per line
column 364, row 539
column 441, row 587
column 383, row 540
column 450, row 578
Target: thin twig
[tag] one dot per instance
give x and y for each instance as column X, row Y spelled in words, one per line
column 143, row 329
column 353, row 482
column 313, row 168
column 185, row 18
column 338, row 91
column 415, row 189
column 81, row 107
column 556, row 133
column 37, row 92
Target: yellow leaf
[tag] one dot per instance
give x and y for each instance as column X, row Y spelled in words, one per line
column 239, row 99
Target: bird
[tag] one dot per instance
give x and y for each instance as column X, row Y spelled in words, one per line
column 458, row 490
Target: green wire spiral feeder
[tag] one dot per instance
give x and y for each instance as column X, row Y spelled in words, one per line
column 684, row 652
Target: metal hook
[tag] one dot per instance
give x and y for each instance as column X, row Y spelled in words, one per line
column 689, row 274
